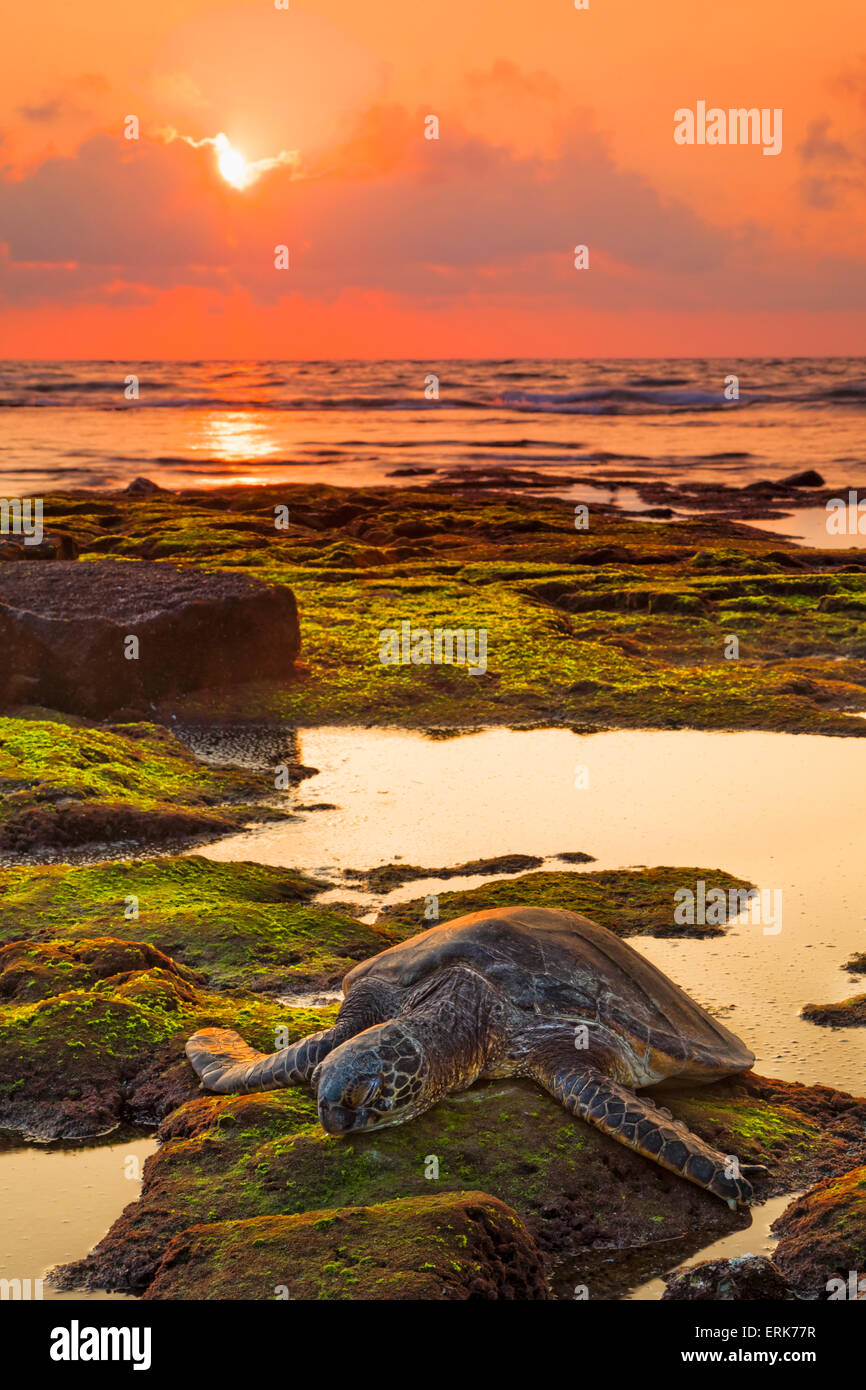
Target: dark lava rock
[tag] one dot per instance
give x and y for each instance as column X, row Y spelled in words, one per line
column 728, row 1281
column 64, row 630
column 809, row 477
column 142, row 487
column 453, row 1246
column 824, row 1239
column 765, row 487
column 848, row 1013
column 56, row 545
column 388, row 876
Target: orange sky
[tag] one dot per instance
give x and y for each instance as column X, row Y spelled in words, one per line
column 556, row 128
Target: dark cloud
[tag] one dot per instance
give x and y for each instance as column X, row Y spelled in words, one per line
column 840, row 168
column 42, row 114
column 818, row 147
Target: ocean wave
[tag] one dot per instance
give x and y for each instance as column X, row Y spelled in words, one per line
column 613, row 400
column 505, row 389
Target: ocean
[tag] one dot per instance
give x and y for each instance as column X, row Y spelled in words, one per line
column 69, row 424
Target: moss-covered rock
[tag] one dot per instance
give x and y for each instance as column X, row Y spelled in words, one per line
column 848, row 1013
column 629, row 902
column 823, row 1239
column 387, row 876
column 243, row 925
column 443, row 1246
column 582, row 1196
column 36, row 970
column 624, row 624
column 92, row 1034
column 64, row 785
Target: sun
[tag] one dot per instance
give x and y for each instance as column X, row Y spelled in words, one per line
column 231, row 163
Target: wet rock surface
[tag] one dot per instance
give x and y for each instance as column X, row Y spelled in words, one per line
column 65, row 630
column 727, row 1281
column 822, row 1249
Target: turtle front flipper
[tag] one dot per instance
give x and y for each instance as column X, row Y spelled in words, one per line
column 636, row 1122
column 226, row 1063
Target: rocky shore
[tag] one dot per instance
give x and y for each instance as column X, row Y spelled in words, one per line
column 623, row 623
column 109, row 964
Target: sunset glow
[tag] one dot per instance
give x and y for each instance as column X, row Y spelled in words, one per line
column 312, row 128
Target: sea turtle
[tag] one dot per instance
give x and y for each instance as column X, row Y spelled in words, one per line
column 517, row 991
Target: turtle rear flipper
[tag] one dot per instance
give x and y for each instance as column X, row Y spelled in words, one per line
column 638, row 1124
column 226, row 1063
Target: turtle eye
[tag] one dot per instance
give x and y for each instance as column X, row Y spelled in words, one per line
column 364, row 1092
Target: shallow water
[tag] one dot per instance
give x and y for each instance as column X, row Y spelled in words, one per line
column 756, row 1239
column 808, row 526
column 56, row 1203
column 782, row 811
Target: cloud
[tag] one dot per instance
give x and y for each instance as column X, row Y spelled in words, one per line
column 46, row 111
column 387, row 211
column 819, row 148
column 839, row 171
column 66, row 104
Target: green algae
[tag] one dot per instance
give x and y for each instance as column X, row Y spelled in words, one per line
column 643, row 612
column 760, row 1132
column 62, row 782
column 433, row 1247
column 92, row 1055
column 239, row 923
column 629, row 902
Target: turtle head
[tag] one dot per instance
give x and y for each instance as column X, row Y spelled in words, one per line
column 379, row 1077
